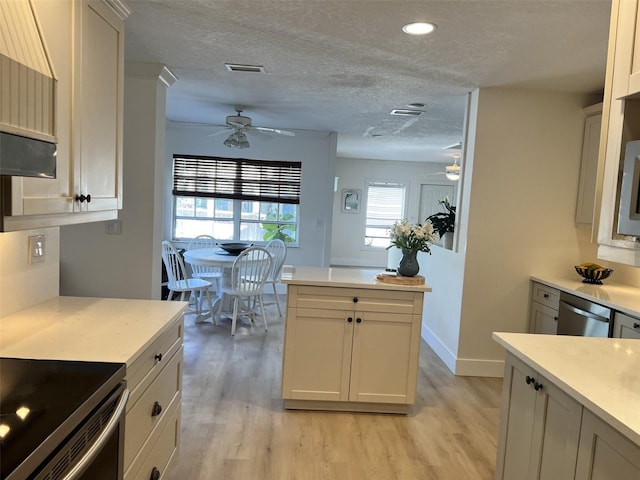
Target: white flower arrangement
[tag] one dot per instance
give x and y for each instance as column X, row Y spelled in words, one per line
column 412, row 237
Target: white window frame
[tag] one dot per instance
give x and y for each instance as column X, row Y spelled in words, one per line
column 403, row 213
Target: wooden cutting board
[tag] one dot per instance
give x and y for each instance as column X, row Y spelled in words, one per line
column 400, row 280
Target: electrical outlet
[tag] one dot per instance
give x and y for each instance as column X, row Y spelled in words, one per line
column 36, row 252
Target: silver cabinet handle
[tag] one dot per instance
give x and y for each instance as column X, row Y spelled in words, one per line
column 94, row 450
column 584, row 313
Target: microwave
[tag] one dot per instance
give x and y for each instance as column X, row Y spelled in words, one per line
column 629, row 211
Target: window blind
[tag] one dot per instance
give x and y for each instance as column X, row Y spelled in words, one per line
column 237, row 178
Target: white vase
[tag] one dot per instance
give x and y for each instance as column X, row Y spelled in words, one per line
column 447, row 240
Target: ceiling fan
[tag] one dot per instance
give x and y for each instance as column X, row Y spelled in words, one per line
column 241, row 125
column 452, row 172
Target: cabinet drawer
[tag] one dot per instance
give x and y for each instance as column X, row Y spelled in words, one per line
column 149, row 364
column 334, row 298
column 161, row 449
column 625, row 326
column 140, row 419
column 545, row 295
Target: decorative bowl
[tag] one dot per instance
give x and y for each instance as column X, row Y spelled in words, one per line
column 593, row 273
column 234, row 248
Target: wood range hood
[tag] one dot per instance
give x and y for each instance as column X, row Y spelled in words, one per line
column 27, row 94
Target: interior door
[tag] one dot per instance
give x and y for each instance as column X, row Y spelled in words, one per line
column 430, row 195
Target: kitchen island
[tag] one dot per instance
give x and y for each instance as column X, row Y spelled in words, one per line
column 351, row 342
column 145, row 335
column 569, row 408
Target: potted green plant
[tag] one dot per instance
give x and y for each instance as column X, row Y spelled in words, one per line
column 282, row 231
column 444, row 222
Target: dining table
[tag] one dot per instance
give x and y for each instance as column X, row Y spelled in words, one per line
column 212, row 257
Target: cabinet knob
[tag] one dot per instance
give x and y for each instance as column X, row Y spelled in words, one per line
column 155, row 474
column 537, row 386
column 546, row 295
column 156, row 409
column 82, row 198
column 355, row 299
column 636, row 325
column 555, row 318
column 350, row 319
column 158, row 357
column 529, row 380
column 358, row 320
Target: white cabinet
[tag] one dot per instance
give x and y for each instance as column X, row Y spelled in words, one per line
column 604, row 453
column 152, row 423
column 620, row 124
column 589, row 165
column 86, row 43
column 539, row 427
column 544, row 309
column 351, row 348
column 625, row 326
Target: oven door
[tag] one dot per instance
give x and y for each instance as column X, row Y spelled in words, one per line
column 95, row 450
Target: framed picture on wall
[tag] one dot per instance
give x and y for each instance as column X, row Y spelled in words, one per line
column 351, row 200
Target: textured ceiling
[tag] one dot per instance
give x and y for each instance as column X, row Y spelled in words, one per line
column 342, row 66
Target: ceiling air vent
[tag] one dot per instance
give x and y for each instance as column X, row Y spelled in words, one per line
column 406, row 112
column 234, row 67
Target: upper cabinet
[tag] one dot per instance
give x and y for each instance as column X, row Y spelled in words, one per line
column 620, row 124
column 85, row 40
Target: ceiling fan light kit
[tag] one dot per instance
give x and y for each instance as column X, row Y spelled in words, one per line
column 418, row 28
column 237, row 140
column 241, row 125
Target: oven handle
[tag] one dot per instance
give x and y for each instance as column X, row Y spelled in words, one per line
column 584, row 313
column 94, row 450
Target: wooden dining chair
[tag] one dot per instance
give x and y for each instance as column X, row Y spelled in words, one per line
column 278, row 250
column 211, row 273
column 178, row 279
column 249, row 273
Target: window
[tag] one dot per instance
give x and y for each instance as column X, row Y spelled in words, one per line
column 235, row 199
column 385, row 205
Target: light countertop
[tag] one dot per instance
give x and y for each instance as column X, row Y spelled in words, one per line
column 623, row 298
column 86, row 329
column 343, row 277
column 603, row 374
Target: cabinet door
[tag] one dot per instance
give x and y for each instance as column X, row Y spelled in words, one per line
column 543, row 319
column 556, row 434
column 539, row 427
column 98, row 115
column 317, row 354
column 588, row 168
column 37, row 196
column 384, row 358
column 515, row 438
column 604, row 453
column 634, row 74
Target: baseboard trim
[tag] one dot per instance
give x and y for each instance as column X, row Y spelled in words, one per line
column 440, row 348
column 473, row 367
column 465, row 367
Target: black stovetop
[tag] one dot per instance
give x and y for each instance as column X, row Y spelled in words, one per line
column 37, row 397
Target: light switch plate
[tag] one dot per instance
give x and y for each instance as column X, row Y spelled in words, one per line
column 36, row 252
column 113, row 227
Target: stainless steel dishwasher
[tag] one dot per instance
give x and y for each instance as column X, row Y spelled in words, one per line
column 577, row 316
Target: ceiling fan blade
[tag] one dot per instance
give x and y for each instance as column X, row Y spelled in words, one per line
column 277, row 131
column 220, row 130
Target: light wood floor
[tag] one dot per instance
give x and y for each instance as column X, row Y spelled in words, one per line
column 234, row 426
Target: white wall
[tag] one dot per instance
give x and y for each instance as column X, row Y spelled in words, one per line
column 126, row 265
column 347, row 241
column 23, row 284
column 521, row 179
column 316, row 151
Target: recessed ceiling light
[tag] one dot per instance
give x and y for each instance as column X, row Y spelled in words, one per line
column 418, row 28
column 416, row 105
